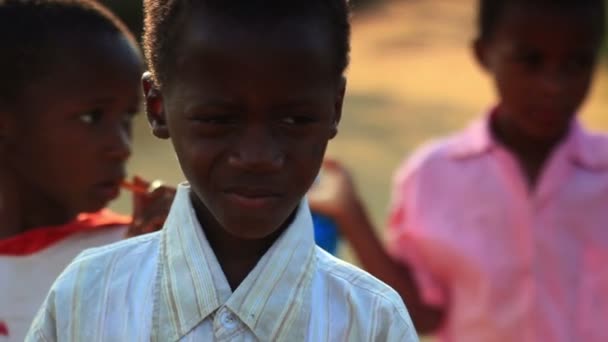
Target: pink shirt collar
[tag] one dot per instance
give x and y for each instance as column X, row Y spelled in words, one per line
column 586, row 150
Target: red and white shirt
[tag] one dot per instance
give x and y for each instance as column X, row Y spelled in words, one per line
column 30, row 263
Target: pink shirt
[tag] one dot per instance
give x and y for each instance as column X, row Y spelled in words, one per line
column 508, row 264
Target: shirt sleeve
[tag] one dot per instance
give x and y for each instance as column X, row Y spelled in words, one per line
column 402, row 329
column 407, row 243
column 43, row 328
column 53, row 320
column 392, row 320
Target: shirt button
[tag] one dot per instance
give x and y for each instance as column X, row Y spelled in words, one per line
column 228, row 320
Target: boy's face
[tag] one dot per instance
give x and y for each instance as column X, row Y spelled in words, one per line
column 72, row 127
column 250, row 113
column 542, row 61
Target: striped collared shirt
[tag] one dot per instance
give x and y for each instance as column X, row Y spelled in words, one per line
column 169, row 286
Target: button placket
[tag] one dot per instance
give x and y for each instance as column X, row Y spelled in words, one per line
column 227, row 320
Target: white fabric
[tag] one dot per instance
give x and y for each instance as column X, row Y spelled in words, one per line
column 168, row 286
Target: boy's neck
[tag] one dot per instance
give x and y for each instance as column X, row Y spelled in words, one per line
column 531, row 153
column 236, row 256
column 22, row 209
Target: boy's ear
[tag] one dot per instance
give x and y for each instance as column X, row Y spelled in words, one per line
column 338, row 104
column 155, row 110
column 479, row 51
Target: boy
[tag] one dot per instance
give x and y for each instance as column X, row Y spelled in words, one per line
column 499, row 232
column 249, row 92
column 69, row 88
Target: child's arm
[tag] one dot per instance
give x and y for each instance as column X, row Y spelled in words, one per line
column 44, row 326
column 336, row 197
column 151, row 205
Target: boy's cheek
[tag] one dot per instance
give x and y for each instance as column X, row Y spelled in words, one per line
column 317, row 150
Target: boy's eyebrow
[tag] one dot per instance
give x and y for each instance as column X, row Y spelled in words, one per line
column 300, row 103
column 212, row 103
column 303, row 101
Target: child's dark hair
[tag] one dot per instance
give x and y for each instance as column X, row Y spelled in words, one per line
column 160, row 18
column 491, row 11
column 30, row 30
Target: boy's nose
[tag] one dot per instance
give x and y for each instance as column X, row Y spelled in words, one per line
column 257, row 150
column 553, row 82
column 118, row 143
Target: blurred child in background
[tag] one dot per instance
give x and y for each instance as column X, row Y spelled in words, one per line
column 69, row 88
column 500, row 232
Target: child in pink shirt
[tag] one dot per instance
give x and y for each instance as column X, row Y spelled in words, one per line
column 500, row 232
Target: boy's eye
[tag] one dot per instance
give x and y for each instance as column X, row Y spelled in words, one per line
column 91, row 117
column 297, row 120
column 530, row 59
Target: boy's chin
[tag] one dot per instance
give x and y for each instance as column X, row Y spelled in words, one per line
column 90, row 204
column 257, row 227
column 254, row 229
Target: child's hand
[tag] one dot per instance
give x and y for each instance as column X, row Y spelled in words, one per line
column 335, row 194
column 150, row 207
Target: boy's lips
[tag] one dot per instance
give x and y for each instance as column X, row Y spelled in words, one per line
column 254, row 198
column 109, row 189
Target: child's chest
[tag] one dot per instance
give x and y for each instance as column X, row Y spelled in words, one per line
column 25, row 281
column 486, row 218
column 496, row 245
column 24, row 285
column 491, row 216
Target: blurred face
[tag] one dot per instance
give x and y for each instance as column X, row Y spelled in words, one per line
column 542, row 62
column 73, row 124
column 250, row 114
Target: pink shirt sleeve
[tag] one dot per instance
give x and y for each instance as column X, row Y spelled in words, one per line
column 404, row 241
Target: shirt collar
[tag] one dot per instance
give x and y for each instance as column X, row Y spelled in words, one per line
column 38, row 239
column 475, row 141
column 589, row 151
column 191, row 285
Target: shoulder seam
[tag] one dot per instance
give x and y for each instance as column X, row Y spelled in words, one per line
column 355, row 281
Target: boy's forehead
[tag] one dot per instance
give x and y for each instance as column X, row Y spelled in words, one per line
column 92, row 62
column 521, row 21
column 519, row 13
column 219, row 63
column 201, row 29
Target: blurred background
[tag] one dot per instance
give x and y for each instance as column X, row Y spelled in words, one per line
column 412, row 78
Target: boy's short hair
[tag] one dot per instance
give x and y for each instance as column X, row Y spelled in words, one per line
column 490, row 12
column 30, row 30
column 160, row 16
